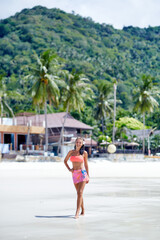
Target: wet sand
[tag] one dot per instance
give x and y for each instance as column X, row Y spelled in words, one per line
column 38, row 201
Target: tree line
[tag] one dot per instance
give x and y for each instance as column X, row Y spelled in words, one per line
column 54, row 86
column 105, row 56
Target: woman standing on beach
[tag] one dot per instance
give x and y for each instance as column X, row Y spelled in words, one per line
column 80, row 172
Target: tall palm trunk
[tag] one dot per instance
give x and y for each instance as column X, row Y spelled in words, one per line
column 61, row 140
column 10, row 109
column 102, row 126
column 1, row 111
column 28, row 139
column 46, row 127
column 114, row 113
column 143, row 133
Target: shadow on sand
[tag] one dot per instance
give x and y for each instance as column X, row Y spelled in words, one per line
column 62, row 216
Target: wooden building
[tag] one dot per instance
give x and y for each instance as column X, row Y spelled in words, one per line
column 30, row 126
column 72, row 129
column 17, row 135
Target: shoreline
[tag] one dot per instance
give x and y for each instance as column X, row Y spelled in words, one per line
column 97, row 168
column 115, row 157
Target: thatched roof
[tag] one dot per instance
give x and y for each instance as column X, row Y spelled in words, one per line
column 54, row 120
column 139, row 133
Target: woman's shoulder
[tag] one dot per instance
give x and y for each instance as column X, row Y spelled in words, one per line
column 71, row 152
column 85, row 153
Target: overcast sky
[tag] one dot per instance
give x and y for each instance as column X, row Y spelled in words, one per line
column 119, row 13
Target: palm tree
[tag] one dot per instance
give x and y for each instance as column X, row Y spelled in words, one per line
column 144, row 100
column 115, row 83
column 114, row 111
column 45, row 87
column 104, row 101
column 5, row 95
column 122, row 132
column 76, row 89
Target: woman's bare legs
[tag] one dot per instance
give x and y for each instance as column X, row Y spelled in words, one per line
column 82, row 205
column 80, row 189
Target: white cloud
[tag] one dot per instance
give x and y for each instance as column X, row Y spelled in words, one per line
column 119, row 13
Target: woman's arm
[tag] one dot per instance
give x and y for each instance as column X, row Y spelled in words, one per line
column 86, row 162
column 66, row 160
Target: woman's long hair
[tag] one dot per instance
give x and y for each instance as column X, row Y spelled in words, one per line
column 81, row 150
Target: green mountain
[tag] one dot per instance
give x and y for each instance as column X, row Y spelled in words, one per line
column 98, row 50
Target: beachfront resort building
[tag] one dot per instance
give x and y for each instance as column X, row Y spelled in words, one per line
column 12, row 135
column 32, row 127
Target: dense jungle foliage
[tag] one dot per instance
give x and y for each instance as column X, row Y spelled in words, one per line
column 97, row 50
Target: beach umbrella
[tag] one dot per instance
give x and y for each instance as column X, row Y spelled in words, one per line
column 104, row 143
column 132, row 144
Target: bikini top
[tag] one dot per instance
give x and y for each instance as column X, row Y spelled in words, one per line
column 77, row 159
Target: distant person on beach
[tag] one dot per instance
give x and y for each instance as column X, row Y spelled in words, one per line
column 80, row 171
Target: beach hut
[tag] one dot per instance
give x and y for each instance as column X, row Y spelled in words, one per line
column 72, row 129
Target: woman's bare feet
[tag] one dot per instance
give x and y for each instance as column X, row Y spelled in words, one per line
column 82, row 213
column 76, row 216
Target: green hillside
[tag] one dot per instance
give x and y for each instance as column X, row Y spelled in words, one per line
column 98, row 50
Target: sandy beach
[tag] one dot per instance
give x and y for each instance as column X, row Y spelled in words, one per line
column 38, row 201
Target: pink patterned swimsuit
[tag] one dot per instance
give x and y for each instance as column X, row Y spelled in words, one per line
column 79, row 175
